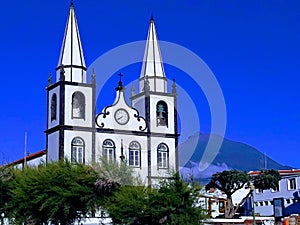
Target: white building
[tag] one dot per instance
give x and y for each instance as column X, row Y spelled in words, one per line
column 287, row 196
column 214, row 200
column 145, row 135
column 34, row 159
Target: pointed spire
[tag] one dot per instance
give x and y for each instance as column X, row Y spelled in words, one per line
column 71, row 54
column 152, row 62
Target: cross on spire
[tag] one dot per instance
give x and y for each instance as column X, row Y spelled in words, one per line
column 120, row 84
column 120, row 75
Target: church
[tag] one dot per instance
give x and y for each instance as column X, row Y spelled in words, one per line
column 142, row 133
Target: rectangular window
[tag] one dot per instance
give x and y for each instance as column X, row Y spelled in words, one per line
column 110, row 155
column 276, row 189
column 259, row 191
column 159, row 160
column 80, row 158
column 266, row 203
column 134, row 158
column 162, row 159
column 137, row 160
column 73, row 154
column 292, row 184
column 131, row 157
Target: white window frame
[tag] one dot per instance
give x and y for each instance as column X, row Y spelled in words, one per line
column 162, row 156
column 135, row 154
column 53, row 107
column 77, row 150
column 259, row 191
column 276, row 190
column 292, row 183
column 109, row 150
column 78, row 105
column 162, row 117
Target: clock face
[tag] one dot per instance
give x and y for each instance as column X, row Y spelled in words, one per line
column 121, row 116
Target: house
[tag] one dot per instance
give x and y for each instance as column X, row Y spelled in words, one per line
column 286, row 197
column 214, row 201
column 30, row 160
column 285, row 200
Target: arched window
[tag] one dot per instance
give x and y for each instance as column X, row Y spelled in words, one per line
column 162, row 114
column 77, row 150
column 135, row 154
column 162, row 156
column 53, row 107
column 108, row 150
column 78, row 105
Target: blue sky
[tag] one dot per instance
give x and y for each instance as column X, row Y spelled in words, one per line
column 252, row 47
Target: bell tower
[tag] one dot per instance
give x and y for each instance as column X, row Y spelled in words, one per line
column 158, row 107
column 71, row 102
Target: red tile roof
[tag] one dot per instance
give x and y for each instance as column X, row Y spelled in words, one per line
column 281, row 172
column 28, row 158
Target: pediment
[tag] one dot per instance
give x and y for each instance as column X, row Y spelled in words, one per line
column 120, row 116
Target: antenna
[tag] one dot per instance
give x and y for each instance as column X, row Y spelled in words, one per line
column 25, row 149
column 266, row 161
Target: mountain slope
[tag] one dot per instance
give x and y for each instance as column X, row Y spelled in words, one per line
column 231, row 155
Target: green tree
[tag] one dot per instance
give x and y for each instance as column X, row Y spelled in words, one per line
column 59, row 192
column 173, row 202
column 231, row 181
column 6, row 176
column 128, row 205
column 267, row 179
column 178, row 202
column 117, row 172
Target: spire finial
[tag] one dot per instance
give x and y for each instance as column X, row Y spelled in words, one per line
column 132, row 90
column 122, row 157
column 93, row 73
column 62, row 73
column 93, row 76
column 174, row 89
column 50, row 79
column 146, row 84
column 72, row 4
column 120, row 75
column 152, row 18
column 120, row 84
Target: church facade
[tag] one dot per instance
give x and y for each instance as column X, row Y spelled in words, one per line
column 143, row 134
